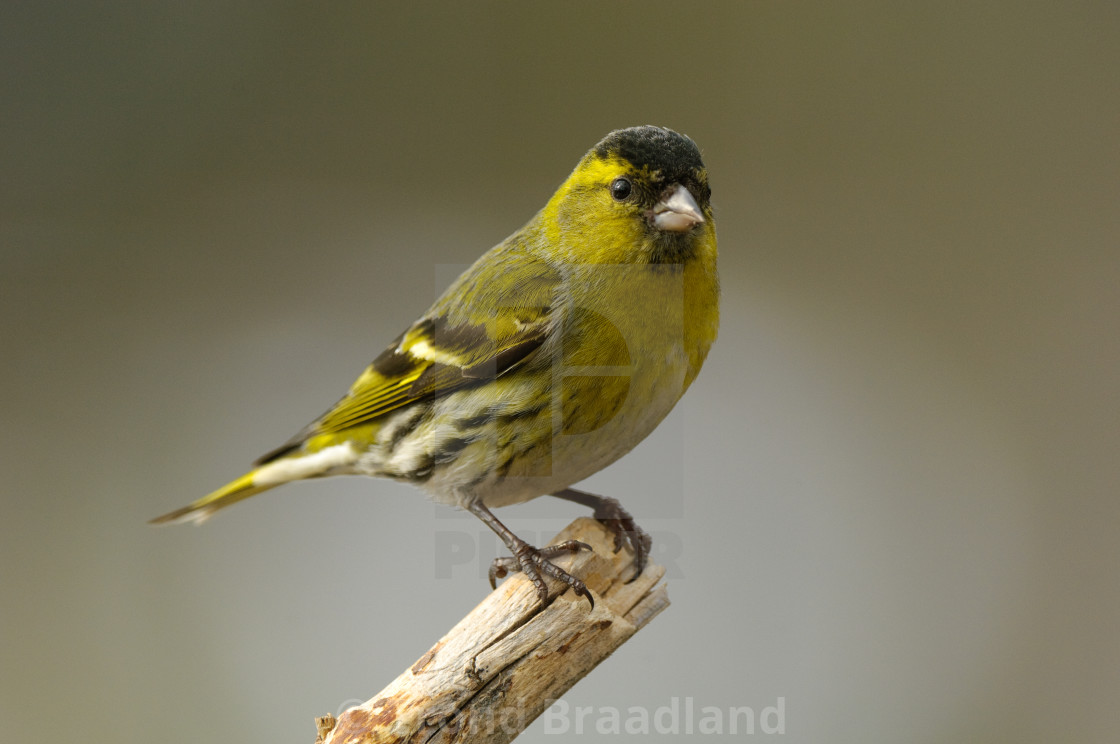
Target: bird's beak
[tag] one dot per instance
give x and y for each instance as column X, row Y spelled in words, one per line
column 677, row 211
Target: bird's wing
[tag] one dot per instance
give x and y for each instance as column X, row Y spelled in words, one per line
column 450, row 348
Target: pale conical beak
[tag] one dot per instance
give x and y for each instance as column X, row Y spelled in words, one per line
column 677, row 211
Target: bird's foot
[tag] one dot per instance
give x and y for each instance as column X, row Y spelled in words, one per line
column 615, row 518
column 535, row 562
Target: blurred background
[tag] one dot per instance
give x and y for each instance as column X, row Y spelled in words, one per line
column 889, row 502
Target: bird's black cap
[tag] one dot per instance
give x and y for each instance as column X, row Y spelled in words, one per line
column 658, row 148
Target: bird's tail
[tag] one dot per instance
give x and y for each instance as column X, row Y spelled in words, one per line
column 198, row 511
column 271, row 471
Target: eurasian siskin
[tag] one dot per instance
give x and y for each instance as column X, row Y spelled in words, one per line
column 552, row 356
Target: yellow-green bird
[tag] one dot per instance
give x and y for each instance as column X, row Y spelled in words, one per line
column 551, row 357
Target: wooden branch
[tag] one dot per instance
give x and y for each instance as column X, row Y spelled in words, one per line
column 509, row 659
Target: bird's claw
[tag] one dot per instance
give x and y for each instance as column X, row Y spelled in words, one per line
column 619, row 521
column 536, row 561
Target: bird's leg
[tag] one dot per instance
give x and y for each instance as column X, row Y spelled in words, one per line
column 529, row 560
column 616, row 519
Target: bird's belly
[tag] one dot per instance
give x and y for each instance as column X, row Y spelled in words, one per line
column 544, row 432
column 629, row 408
column 594, row 420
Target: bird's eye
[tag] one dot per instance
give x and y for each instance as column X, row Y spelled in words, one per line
column 621, row 188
